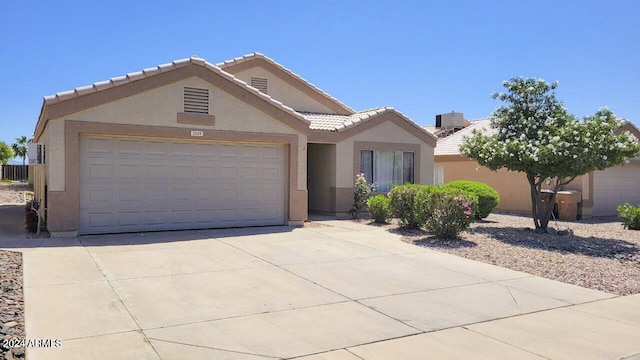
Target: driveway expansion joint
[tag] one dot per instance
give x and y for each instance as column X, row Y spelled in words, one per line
column 214, row 348
column 123, row 303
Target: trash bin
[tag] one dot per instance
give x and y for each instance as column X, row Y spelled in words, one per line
column 568, row 204
column 545, row 198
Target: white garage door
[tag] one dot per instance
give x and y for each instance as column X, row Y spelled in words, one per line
column 615, row 186
column 130, row 184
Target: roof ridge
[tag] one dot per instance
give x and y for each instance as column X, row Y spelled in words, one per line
column 375, row 109
column 162, row 68
column 264, row 57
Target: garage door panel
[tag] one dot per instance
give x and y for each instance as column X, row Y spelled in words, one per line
column 99, row 146
column 206, row 151
column 273, row 153
column 183, row 171
column 228, row 173
column 180, row 150
column 271, row 214
column 156, row 149
column 129, row 147
column 137, row 185
column 249, row 173
column 205, row 173
column 99, row 220
column 128, row 170
column 98, row 195
column 129, row 219
column 129, row 196
column 98, row 169
column 156, row 170
column 229, row 151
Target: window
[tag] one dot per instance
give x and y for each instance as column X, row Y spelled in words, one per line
column 196, row 101
column 438, row 175
column 387, row 167
column 259, row 83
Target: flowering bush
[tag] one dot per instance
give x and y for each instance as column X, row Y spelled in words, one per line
column 630, row 216
column 488, row 197
column 361, row 192
column 535, row 134
column 453, row 212
column 403, row 204
column 379, row 208
column 424, row 204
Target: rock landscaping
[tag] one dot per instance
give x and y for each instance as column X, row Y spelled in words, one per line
column 13, row 193
column 11, row 303
column 597, row 254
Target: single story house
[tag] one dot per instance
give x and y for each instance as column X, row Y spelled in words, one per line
column 602, row 191
column 191, row 144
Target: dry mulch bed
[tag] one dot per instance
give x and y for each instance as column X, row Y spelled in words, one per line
column 11, row 301
column 599, row 255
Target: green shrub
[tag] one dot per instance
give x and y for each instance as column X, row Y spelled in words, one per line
column 453, row 212
column 379, row 208
column 402, row 201
column 488, row 197
column 630, row 216
column 424, row 205
column 361, row 192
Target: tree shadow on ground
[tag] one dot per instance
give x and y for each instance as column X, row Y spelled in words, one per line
column 569, row 244
column 430, row 241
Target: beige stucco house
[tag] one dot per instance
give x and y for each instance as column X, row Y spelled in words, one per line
column 601, row 191
column 191, row 144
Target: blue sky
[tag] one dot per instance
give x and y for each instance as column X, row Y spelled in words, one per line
column 421, row 57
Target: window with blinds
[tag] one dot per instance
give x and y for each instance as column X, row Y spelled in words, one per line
column 196, row 101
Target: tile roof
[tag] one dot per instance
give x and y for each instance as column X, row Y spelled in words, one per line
column 257, row 55
column 431, row 128
column 450, row 145
column 316, row 121
column 337, row 123
column 194, row 60
column 333, row 122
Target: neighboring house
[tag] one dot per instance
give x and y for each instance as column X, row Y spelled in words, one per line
column 191, row 144
column 601, row 191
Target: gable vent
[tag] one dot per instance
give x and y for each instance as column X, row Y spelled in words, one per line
column 196, row 100
column 259, row 83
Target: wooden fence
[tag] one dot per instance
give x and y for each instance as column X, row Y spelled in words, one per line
column 15, row 172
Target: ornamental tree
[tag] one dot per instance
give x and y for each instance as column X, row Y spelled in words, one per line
column 6, row 153
column 537, row 136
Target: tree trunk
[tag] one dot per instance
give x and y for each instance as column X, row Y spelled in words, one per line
column 549, row 210
column 535, row 200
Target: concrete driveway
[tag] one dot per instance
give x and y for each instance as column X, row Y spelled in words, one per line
column 336, row 291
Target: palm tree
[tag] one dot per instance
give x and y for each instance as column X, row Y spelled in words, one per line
column 20, row 147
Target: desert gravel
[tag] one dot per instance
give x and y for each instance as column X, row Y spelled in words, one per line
column 600, row 254
column 11, row 301
column 13, row 193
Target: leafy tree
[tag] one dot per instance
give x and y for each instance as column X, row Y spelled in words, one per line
column 20, row 147
column 6, row 153
column 537, row 136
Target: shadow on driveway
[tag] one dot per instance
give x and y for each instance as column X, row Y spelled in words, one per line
column 13, row 235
